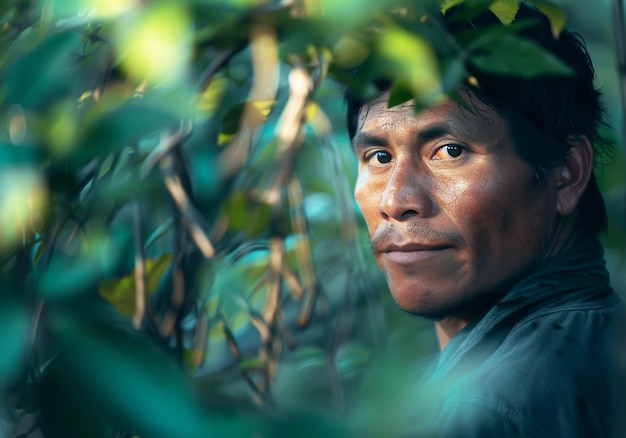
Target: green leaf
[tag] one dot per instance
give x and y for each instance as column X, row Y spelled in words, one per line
column 121, row 292
column 101, row 256
column 245, row 215
column 120, row 126
column 447, row 4
column 18, row 156
column 470, row 9
column 349, row 52
column 350, row 357
column 555, row 14
column 505, row 10
column 45, row 73
column 230, row 121
column 309, row 357
column 349, row 13
column 14, row 331
column 415, row 63
column 453, row 73
column 518, row 57
column 474, row 38
column 250, row 364
column 138, row 384
column 399, row 94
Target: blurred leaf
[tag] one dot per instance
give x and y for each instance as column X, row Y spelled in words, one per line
column 102, row 255
column 309, row 357
column 155, row 44
column 45, row 73
column 447, row 4
column 400, row 93
column 62, row 129
column 470, row 9
column 121, row 292
column 110, row 129
column 41, row 248
column 555, row 14
column 18, row 156
column 349, row 52
column 416, row 62
column 453, row 73
column 515, row 56
column 144, row 389
column 123, row 187
column 250, row 364
column 14, row 333
column 248, row 216
column 505, row 10
column 160, row 232
column 29, row 399
column 211, row 97
column 230, row 121
column 23, row 194
column 350, row 13
column 352, row 356
column 492, row 34
column 108, row 8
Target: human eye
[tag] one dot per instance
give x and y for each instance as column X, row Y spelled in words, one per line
column 449, row 151
column 378, row 158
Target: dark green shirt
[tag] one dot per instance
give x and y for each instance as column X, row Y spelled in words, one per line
column 548, row 360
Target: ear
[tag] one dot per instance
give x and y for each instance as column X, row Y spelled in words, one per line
column 573, row 174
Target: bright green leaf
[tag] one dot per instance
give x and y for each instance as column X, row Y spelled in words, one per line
column 505, row 10
column 416, row 61
column 155, row 45
column 121, row 292
column 555, row 14
column 349, row 52
column 447, row 4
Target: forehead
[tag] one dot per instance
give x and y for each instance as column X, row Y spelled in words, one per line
column 475, row 122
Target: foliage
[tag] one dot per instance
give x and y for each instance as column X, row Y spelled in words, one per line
column 180, row 253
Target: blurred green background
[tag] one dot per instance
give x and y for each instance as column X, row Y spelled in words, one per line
column 180, row 251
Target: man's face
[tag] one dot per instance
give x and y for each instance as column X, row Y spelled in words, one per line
column 453, row 212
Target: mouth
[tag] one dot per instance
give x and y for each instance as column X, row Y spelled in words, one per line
column 413, row 253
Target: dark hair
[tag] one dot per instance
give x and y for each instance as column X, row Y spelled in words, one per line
column 542, row 113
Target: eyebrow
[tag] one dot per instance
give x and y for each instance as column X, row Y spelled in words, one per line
column 437, row 131
column 364, row 140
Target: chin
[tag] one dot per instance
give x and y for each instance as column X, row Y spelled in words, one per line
column 424, row 303
column 439, row 305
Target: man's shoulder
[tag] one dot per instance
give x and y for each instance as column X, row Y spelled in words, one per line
column 554, row 369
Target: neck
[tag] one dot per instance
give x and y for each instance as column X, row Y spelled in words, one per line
column 567, row 236
column 447, row 328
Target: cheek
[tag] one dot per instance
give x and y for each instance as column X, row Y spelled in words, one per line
column 502, row 217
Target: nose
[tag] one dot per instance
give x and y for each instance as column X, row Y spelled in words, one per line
column 406, row 195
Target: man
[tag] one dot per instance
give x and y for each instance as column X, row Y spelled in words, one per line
column 486, row 220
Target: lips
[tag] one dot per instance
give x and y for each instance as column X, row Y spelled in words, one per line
column 411, row 253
